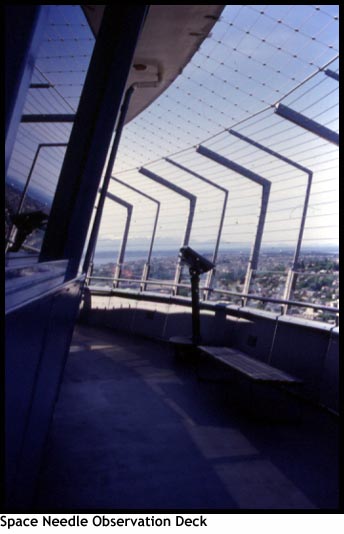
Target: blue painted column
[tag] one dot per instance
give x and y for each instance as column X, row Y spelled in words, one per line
column 91, row 135
column 24, row 27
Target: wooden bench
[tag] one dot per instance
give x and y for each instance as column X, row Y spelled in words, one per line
column 256, row 373
column 250, row 367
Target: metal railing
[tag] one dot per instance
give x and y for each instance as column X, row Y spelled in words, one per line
column 285, row 304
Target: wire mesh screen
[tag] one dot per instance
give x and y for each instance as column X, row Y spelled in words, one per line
column 252, row 190
column 255, row 58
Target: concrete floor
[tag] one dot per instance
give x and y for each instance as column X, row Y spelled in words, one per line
column 134, row 429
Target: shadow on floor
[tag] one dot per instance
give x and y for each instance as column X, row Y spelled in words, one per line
column 134, row 429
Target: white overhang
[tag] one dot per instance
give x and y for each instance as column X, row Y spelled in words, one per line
column 170, row 37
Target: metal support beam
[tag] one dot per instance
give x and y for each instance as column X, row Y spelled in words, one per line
column 196, row 319
column 41, row 85
column 54, row 117
column 307, row 124
column 266, row 185
column 87, row 266
column 332, row 74
column 122, row 248
column 297, row 166
column 211, row 273
column 146, row 267
column 192, row 200
column 291, row 276
column 91, row 134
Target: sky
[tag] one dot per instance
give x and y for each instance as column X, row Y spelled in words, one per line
column 255, row 57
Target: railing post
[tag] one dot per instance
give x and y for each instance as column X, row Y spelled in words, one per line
column 123, row 246
column 196, row 325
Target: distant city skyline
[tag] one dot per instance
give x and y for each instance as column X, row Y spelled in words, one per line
column 170, row 245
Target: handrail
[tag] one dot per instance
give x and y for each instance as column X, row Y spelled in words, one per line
column 139, row 281
column 244, row 296
column 249, row 296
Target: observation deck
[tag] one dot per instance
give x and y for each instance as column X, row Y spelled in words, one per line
column 133, row 132
column 134, row 429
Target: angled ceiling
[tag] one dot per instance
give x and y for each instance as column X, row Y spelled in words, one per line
column 170, row 37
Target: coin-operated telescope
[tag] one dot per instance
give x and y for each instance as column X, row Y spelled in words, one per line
column 197, row 265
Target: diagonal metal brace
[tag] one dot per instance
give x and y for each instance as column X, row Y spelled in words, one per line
column 307, row 124
column 146, row 268
column 265, row 184
column 192, row 200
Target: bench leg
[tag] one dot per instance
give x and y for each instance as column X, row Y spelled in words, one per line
column 273, row 402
